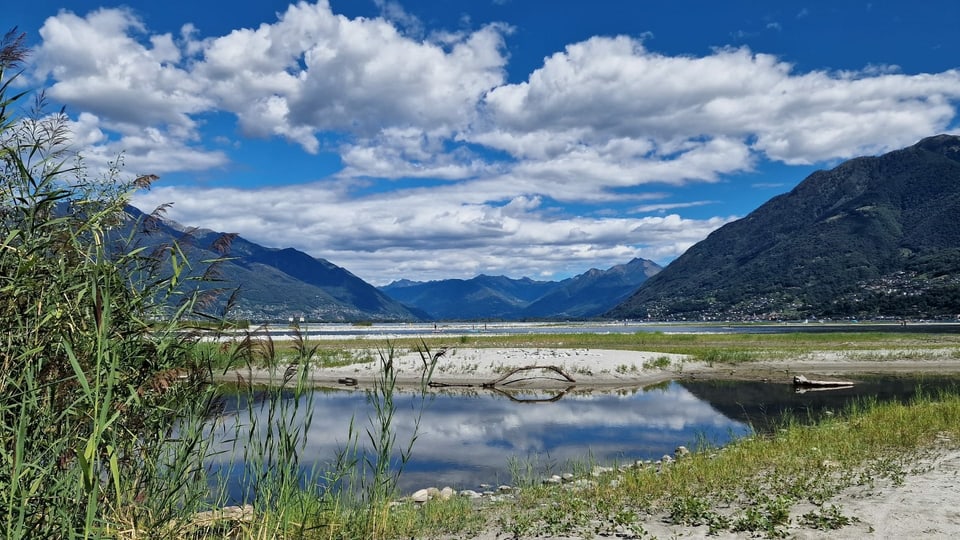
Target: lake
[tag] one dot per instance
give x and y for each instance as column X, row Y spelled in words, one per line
column 466, row 440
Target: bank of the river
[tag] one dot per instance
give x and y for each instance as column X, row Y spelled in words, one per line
column 924, row 503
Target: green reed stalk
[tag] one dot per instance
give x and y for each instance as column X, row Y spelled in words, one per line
column 97, row 370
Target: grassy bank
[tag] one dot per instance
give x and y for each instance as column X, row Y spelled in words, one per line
column 753, row 485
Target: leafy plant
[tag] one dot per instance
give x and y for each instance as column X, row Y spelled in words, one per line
column 826, row 518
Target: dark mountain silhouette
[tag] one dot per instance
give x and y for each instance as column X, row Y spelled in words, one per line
column 875, row 236
column 276, row 284
column 765, row 404
column 499, row 297
column 592, row 293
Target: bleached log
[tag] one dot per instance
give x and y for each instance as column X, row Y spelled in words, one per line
column 803, row 382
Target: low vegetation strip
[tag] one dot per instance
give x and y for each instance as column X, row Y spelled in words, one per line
column 722, row 348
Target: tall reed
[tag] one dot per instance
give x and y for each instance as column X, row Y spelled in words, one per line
column 96, row 365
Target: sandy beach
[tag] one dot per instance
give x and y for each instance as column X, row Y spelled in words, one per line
column 925, row 505
column 605, row 368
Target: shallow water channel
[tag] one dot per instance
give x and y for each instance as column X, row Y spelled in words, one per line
column 466, row 440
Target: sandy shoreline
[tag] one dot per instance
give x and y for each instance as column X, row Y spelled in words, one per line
column 603, row 368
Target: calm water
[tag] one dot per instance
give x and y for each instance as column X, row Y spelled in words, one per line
column 468, row 440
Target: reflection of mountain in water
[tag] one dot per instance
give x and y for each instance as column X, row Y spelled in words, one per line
column 765, row 405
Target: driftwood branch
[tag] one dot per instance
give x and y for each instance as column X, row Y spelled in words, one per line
column 500, row 382
column 514, row 371
column 437, row 384
column 800, row 381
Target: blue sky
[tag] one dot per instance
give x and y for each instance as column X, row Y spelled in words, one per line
column 430, row 139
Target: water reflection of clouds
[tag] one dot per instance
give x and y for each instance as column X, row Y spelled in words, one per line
column 464, row 440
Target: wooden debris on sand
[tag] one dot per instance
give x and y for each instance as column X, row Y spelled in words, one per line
column 799, row 381
column 503, row 381
column 514, row 371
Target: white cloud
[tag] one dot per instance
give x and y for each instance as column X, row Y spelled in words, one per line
column 429, row 234
column 662, row 207
column 314, row 71
column 98, row 68
column 150, row 150
column 604, row 117
column 394, row 12
column 612, row 88
column 411, row 153
column 311, row 71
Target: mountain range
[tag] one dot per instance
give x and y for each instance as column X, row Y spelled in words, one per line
column 279, row 284
column 276, row 284
column 873, row 237
column 585, row 296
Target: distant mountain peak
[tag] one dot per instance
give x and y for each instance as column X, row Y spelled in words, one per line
column 401, row 283
column 948, row 145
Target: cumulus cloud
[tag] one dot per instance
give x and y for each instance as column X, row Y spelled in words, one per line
column 98, row 67
column 148, row 150
column 314, row 71
column 310, row 71
column 412, row 153
column 613, row 88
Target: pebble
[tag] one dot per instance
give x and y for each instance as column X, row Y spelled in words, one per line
column 567, row 479
column 420, row 496
column 598, row 470
column 583, row 483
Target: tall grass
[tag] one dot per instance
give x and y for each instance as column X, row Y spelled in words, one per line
column 95, row 366
column 106, row 406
